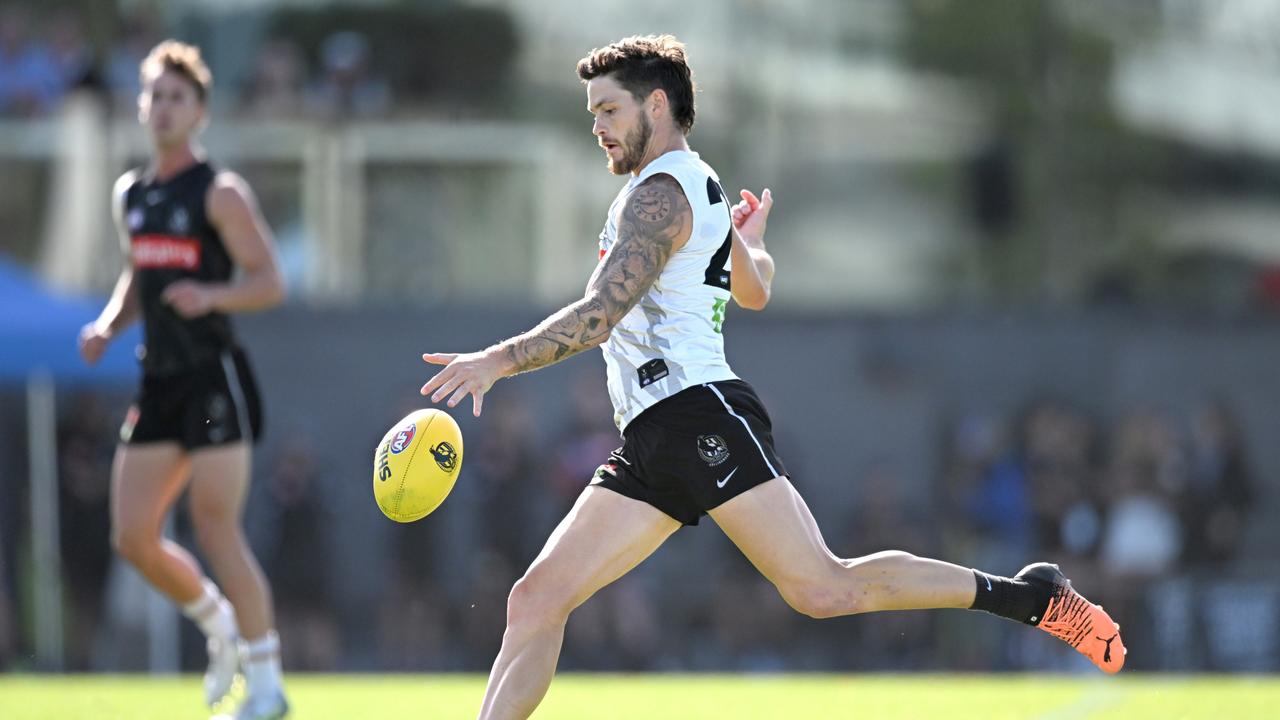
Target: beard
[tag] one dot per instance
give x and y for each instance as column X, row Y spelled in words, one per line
column 633, row 147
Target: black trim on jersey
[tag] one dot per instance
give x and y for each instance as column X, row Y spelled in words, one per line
column 716, row 275
column 715, row 193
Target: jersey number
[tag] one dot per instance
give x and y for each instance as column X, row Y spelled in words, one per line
column 716, row 275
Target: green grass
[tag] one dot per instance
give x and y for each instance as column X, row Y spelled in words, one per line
column 673, row 697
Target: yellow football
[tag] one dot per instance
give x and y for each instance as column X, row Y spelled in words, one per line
column 416, row 464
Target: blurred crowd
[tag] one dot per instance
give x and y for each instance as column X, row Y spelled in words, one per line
column 1138, row 508
column 41, row 64
column 45, row 57
column 1126, row 503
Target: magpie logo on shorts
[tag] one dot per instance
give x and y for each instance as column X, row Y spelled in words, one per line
column 217, row 416
column 712, row 449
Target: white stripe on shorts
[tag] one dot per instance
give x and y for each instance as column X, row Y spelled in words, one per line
column 237, row 397
column 742, row 420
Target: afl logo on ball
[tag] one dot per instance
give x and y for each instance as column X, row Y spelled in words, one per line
column 403, row 438
column 446, row 456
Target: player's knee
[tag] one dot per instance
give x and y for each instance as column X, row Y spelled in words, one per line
column 134, row 545
column 212, row 528
column 535, row 601
column 820, row 601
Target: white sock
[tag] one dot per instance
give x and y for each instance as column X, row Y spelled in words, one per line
column 262, row 664
column 212, row 613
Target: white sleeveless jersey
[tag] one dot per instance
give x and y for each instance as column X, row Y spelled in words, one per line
column 672, row 338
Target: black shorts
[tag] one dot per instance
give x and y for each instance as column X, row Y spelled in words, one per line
column 215, row 404
column 691, row 452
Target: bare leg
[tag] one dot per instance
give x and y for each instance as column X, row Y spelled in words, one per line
column 146, row 480
column 603, row 537
column 219, row 485
column 775, row 530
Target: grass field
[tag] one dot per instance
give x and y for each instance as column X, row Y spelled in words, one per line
column 675, row 697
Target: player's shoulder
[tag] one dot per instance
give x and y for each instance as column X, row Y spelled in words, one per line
column 126, row 180
column 686, row 172
column 224, row 179
column 657, row 196
column 660, row 179
column 228, row 191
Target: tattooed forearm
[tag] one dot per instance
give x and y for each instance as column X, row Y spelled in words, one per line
column 654, row 223
column 578, row 327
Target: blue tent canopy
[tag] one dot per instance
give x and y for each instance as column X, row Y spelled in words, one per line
column 38, row 329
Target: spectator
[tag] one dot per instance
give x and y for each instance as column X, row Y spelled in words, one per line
column 299, row 527
column 585, row 444
column 349, row 88
column 71, row 52
column 275, row 90
column 1061, row 464
column 30, row 81
column 8, row 647
column 138, row 36
column 1219, row 492
column 1143, row 535
column 86, row 440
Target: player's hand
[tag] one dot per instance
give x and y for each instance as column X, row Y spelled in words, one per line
column 751, row 215
column 93, row 342
column 464, row 374
column 189, row 298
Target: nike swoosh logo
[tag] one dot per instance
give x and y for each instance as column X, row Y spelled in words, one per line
column 988, row 583
column 725, row 481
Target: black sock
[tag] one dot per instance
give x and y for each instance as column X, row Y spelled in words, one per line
column 1010, row 598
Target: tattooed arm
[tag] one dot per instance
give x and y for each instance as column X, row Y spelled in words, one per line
column 654, row 223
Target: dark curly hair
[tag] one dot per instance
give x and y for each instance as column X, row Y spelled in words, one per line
column 642, row 64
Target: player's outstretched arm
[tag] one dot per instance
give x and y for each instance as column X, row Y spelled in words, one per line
column 655, row 222
column 752, row 276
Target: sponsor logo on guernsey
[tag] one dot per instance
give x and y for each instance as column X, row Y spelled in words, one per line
column 165, row 251
column 403, row 438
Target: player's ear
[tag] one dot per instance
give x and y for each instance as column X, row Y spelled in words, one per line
column 657, row 103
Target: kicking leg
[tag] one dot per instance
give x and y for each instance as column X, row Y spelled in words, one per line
column 603, row 537
column 775, row 530
column 773, row 527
